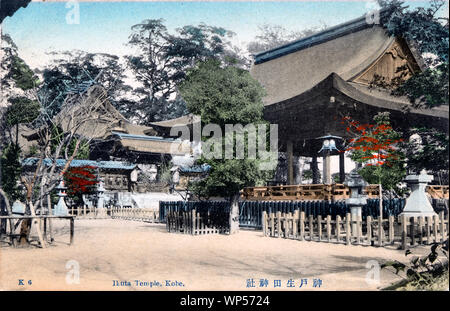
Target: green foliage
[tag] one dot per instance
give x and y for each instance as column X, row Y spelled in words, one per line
column 162, row 60
column 428, row 88
column 430, row 152
column 11, row 170
column 422, row 271
column 21, row 110
column 18, row 73
column 57, row 136
column 227, row 177
column 222, row 96
column 71, row 68
column 225, row 95
column 430, row 34
column 22, row 74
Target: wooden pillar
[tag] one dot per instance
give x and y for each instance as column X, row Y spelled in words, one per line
column 341, row 167
column 290, row 162
column 326, row 168
column 315, row 170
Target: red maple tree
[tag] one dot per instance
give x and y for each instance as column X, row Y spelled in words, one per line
column 80, row 180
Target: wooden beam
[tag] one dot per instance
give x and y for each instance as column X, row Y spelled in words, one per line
column 290, row 160
column 341, row 167
column 315, row 170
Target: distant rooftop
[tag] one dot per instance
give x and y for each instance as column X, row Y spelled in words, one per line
column 318, row 38
column 141, row 137
column 118, row 165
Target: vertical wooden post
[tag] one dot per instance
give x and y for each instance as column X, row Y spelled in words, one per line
column 391, row 229
column 338, row 228
column 72, row 229
column 348, row 228
column 380, row 231
column 286, row 224
column 290, row 161
column 326, row 168
column 412, row 229
column 404, row 231
column 279, row 224
column 294, row 224
column 45, row 229
column 428, row 228
column 302, row 226
column 442, row 223
column 421, row 222
column 329, row 228
column 319, row 226
column 192, row 221
column 264, row 223
column 435, row 229
column 272, row 224
column 311, row 228
column 341, row 167
column 369, row 229
column 315, row 170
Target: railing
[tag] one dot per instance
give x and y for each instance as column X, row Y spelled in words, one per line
column 39, row 221
column 139, row 214
column 85, row 212
column 333, row 192
column 250, row 212
column 354, row 230
column 197, row 223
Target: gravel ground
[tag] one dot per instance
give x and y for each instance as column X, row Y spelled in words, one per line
column 143, row 256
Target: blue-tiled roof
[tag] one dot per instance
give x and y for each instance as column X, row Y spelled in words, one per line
column 318, row 38
column 195, row 168
column 141, row 137
column 77, row 163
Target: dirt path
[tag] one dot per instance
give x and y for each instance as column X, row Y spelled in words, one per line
column 126, row 251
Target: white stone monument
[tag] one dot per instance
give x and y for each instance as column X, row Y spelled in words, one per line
column 417, row 204
column 61, row 207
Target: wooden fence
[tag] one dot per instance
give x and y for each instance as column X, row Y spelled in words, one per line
column 250, row 212
column 127, row 213
column 41, row 222
column 86, row 212
column 197, row 223
column 353, row 230
column 140, row 214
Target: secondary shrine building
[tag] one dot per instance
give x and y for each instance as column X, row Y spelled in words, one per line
column 314, row 82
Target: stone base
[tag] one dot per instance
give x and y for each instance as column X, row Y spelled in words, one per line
column 417, row 214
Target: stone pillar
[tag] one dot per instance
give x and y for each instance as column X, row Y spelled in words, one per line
column 357, row 200
column 326, row 168
column 290, row 162
column 61, row 207
column 417, row 204
column 315, row 170
column 101, row 210
column 341, row 167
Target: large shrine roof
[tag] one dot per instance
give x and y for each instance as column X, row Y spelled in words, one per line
column 348, row 50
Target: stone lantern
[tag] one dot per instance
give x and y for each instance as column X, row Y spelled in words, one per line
column 101, row 211
column 328, row 149
column 61, row 207
column 357, row 199
column 417, row 204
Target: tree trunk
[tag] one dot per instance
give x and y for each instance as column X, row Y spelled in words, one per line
column 234, row 214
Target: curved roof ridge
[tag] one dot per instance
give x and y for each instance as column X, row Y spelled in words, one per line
column 328, row 34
